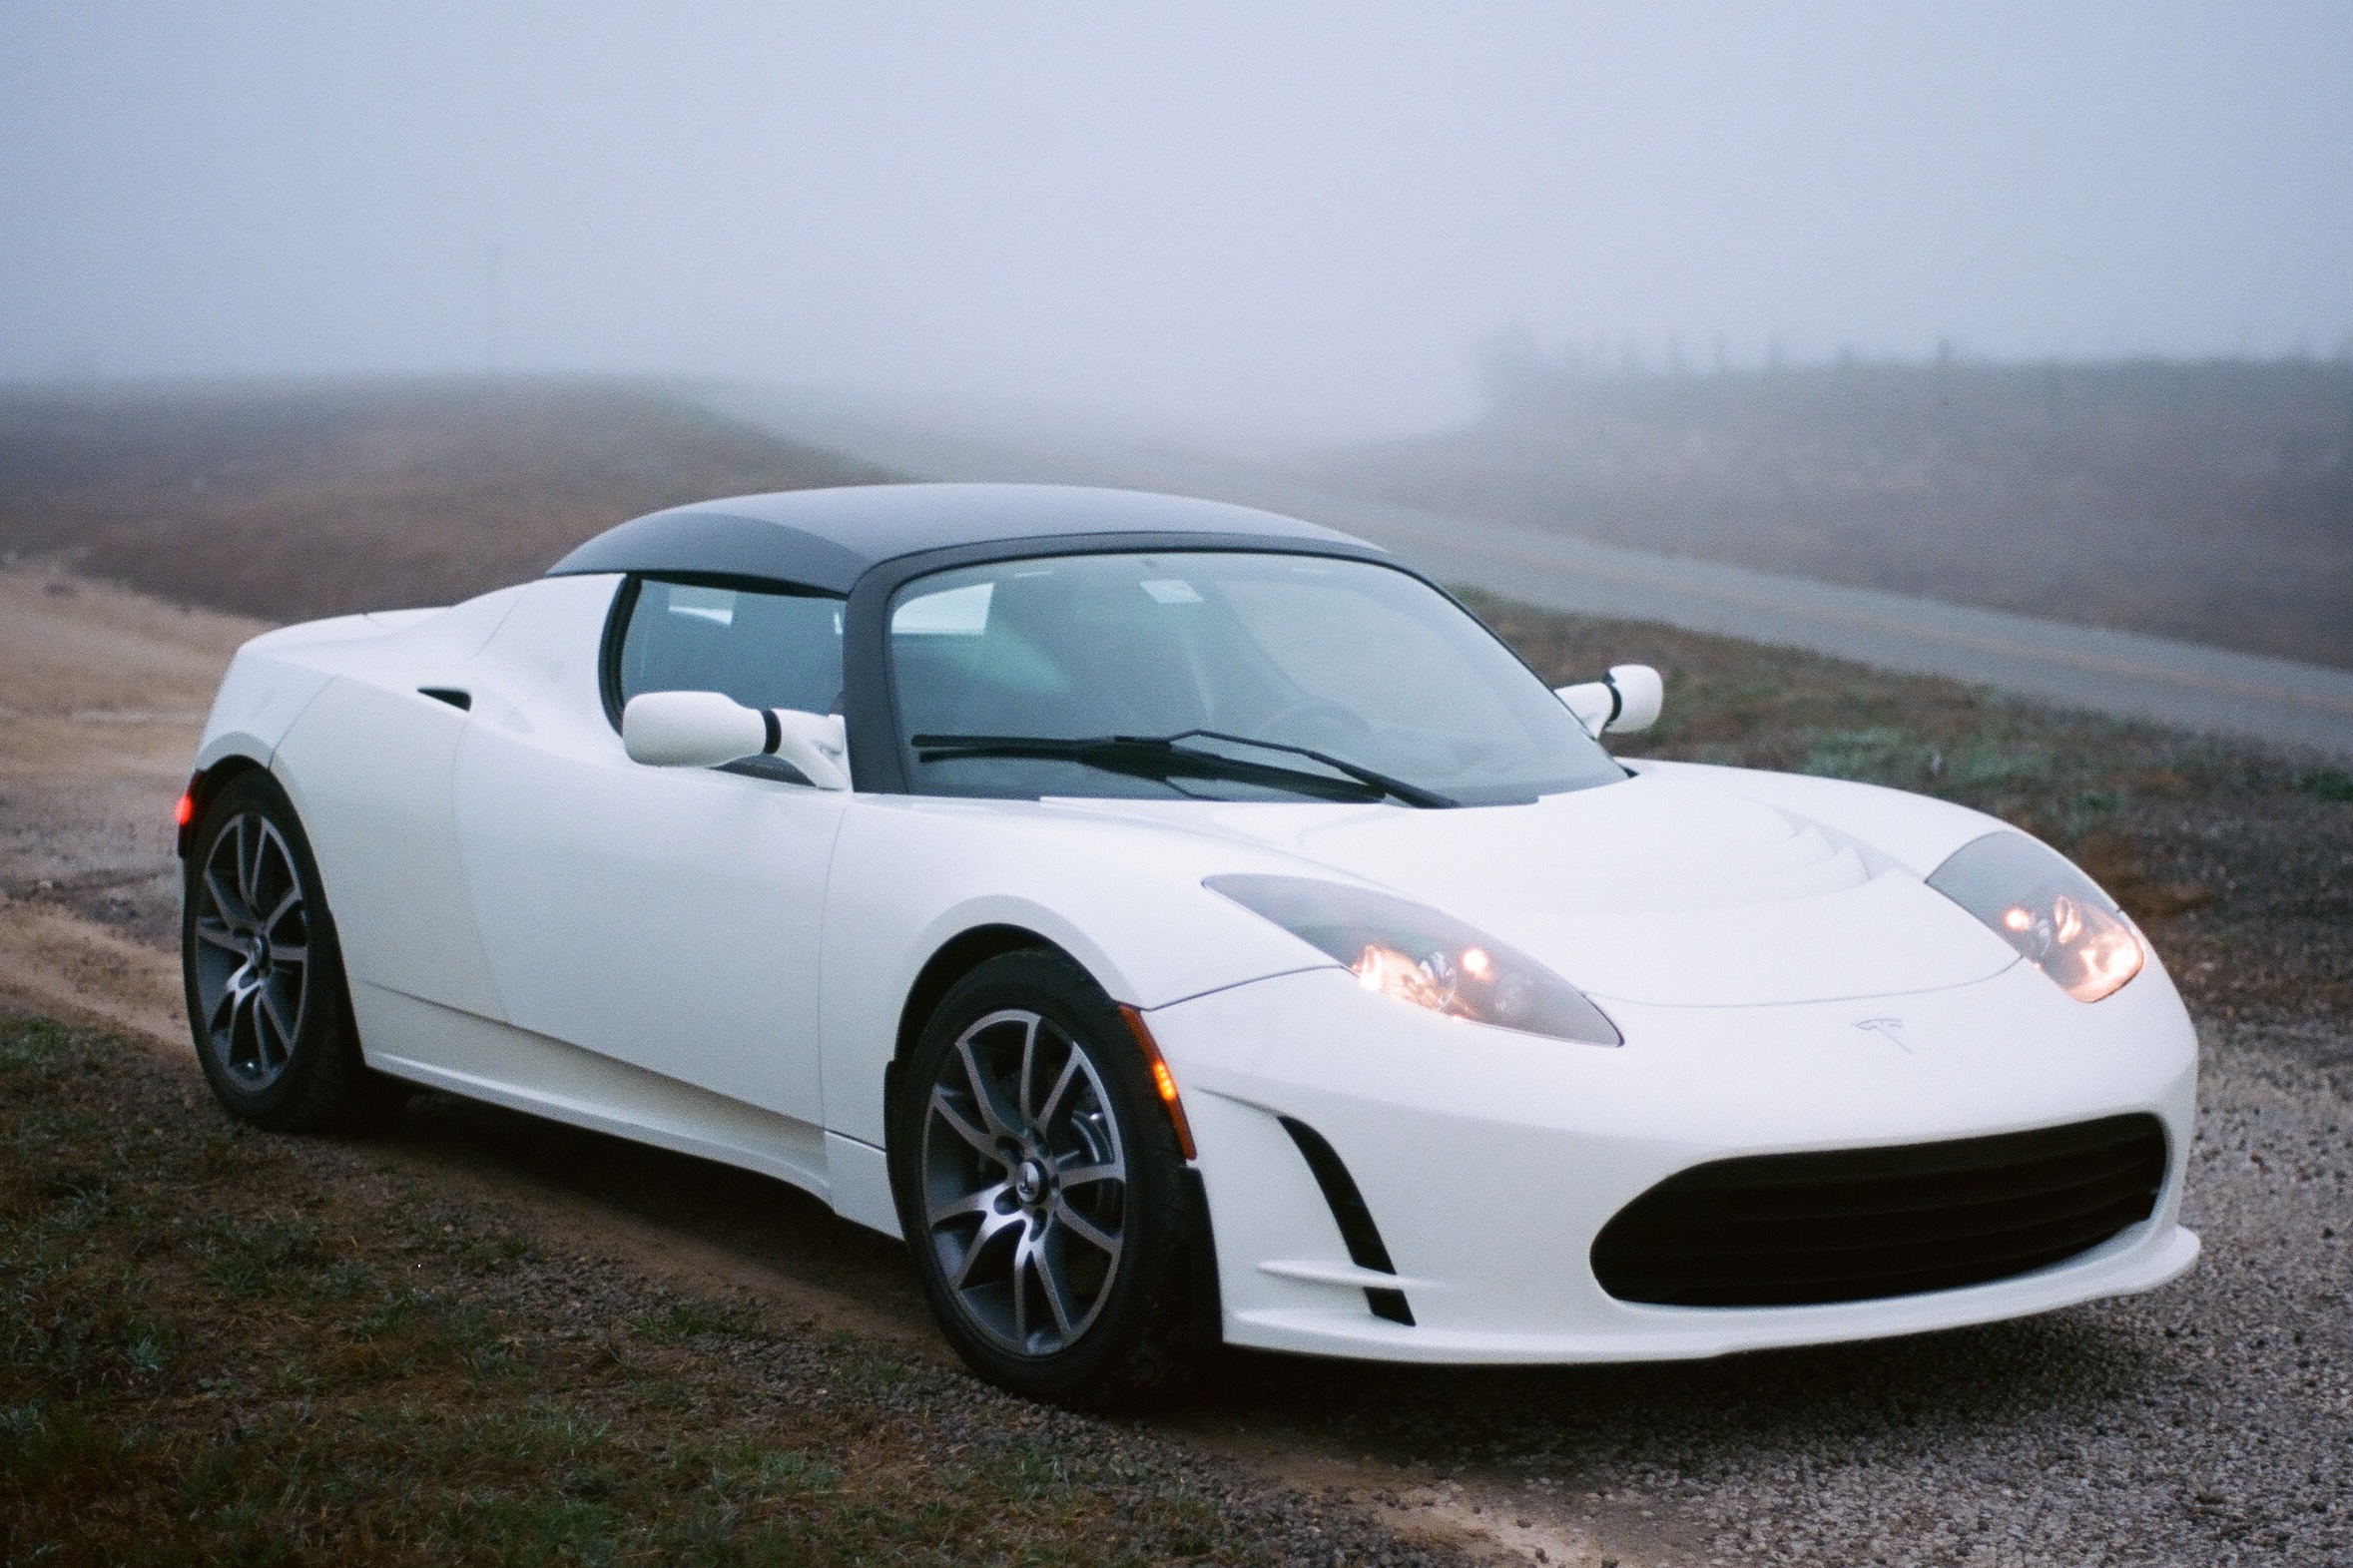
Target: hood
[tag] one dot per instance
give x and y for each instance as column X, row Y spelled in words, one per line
column 1657, row 891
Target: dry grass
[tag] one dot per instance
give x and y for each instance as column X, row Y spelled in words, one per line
column 219, row 1346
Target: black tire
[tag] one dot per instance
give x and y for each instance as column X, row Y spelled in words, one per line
column 252, row 901
column 1137, row 1323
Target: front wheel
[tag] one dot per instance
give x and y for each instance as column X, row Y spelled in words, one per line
column 1042, row 1191
column 264, row 976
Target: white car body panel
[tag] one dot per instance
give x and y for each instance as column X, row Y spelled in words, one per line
column 685, row 891
column 368, row 764
column 444, row 1048
column 722, row 964
column 1605, row 884
column 1452, row 1114
column 369, row 770
column 1916, row 831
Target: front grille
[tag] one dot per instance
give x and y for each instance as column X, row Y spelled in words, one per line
column 1852, row 1225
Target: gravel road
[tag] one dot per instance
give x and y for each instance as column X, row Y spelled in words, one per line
column 2209, row 1422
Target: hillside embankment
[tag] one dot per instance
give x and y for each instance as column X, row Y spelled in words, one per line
column 2210, row 502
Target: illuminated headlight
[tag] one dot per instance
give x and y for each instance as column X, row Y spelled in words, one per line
column 2032, row 897
column 1420, row 955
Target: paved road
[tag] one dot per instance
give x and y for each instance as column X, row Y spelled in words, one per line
column 2182, row 684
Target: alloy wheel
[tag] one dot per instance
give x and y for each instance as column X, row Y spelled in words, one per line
column 1024, row 1182
column 253, row 950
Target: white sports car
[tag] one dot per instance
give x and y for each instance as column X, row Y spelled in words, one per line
column 1182, row 924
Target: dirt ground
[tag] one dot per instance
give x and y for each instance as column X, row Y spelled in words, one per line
column 2209, row 1422
column 109, row 689
column 1811, row 1456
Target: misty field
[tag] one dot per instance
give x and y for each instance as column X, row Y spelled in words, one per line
column 2207, row 501
column 293, row 500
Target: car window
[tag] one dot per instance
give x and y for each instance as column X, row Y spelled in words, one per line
column 1367, row 665
column 765, row 650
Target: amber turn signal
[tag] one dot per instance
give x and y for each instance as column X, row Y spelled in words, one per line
column 1163, row 1080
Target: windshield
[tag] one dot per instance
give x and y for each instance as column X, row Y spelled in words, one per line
column 1249, row 677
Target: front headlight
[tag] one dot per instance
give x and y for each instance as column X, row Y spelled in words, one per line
column 1419, row 955
column 2032, row 897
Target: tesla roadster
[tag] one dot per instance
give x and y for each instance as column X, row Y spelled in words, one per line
column 1184, row 925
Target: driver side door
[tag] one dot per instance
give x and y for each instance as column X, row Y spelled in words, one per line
column 660, row 917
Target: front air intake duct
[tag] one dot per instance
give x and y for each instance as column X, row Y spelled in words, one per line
column 1852, row 1225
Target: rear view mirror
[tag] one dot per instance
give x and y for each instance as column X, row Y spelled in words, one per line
column 1625, row 700
column 707, row 728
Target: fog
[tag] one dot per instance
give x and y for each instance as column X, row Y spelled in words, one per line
column 1300, row 218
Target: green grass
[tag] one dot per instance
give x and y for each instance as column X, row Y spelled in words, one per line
column 219, row 1346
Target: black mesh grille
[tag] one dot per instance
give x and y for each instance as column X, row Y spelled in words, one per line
column 1851, row 1225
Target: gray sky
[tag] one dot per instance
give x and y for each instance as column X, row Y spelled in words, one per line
column 1298, row 217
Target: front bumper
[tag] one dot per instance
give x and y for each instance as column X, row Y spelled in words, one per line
column 1489, row 1159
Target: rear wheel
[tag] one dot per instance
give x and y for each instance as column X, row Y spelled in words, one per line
column 265, row 980
column 1042, row 1191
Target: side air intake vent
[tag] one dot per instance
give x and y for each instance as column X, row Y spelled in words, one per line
column 1853, row 1225
column 1365, row 1246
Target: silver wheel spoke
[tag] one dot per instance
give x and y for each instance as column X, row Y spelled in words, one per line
column 1024, row 1092
column 296, row 954
column 984, row 1092
column 222, row 1017
column 983, row 1201
column 278, row 1021
column 1055, row 1289
column 232, row 912
column 1045, row 1117
column 1085, row 1229
column 266, row 1032
column 249, row 865
column 990, row 1229
column 250, row 1011
column 291, row 903
column 216, row 933
column 1081, row 1174
column 1025, row 1259
column 956, row 1124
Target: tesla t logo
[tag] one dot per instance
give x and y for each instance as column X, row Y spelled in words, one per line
column 1892, row 1028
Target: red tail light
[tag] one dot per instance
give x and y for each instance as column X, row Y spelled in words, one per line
column 185, row 813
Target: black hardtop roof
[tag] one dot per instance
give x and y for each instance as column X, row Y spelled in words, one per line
column 828, row 539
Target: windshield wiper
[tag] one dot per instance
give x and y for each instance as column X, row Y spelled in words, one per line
column 1411, row 793
column 1160, row 757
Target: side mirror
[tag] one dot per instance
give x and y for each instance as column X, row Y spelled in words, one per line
column 706, row 728
column 1625, row 700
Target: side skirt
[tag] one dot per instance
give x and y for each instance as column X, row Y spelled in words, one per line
column 465, row 1054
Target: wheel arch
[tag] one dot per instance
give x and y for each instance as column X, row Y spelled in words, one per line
column 207, row 782
column 958, row 956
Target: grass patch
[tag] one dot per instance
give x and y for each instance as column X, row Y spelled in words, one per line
column 219, row 1346
column 2327, row 784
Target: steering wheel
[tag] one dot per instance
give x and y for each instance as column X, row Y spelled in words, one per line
column 1313, row 717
